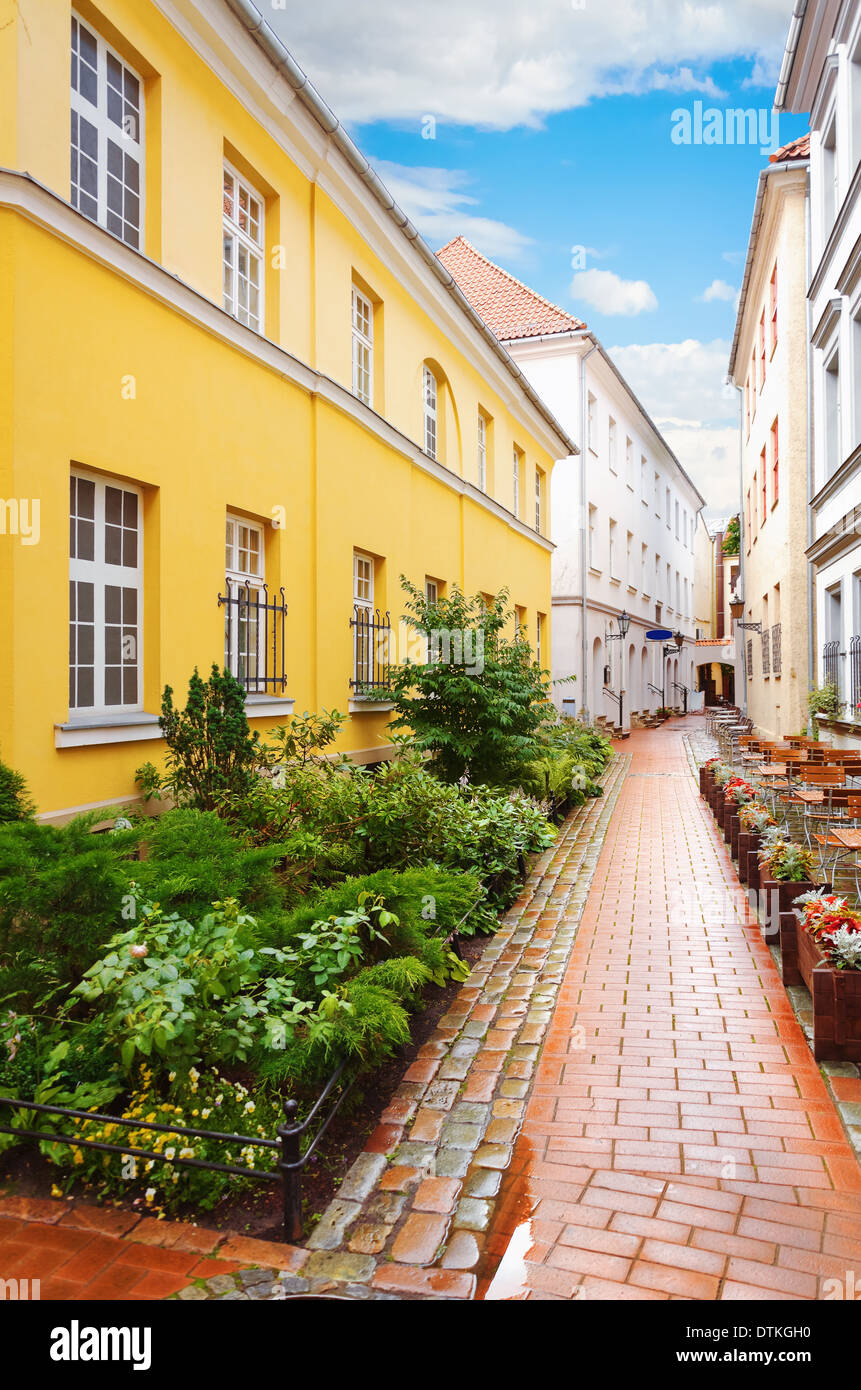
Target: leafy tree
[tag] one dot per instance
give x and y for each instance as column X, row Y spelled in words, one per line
column 732, row 538
column 478, row 698
column 212, row 753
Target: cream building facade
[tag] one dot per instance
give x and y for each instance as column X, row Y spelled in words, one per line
column 768, row 365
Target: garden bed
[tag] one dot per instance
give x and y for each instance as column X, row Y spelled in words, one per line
column 24, row 1172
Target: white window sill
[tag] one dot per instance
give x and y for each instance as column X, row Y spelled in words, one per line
column 268, row 706
column 368, row 706
column 106, row 728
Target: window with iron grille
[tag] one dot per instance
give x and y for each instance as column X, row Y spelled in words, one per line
column 766, row 653
column 105, row 596
column 776, row 655
column 750, row 658
column 831, row 664
column 855, row 673
column 254, row 622
column 107, row 136
column 371, row 631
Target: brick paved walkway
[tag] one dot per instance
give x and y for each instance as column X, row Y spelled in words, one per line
column 82, row 1252
column 679, row 1140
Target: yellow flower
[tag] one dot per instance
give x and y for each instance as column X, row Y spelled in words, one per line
column 56, row 1191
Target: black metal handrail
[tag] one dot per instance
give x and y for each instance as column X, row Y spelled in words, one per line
column 372, row 633
column 248, row 604
column 288, row 1144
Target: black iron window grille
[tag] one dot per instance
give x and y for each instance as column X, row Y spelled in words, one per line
column 750, row 658
column 766, row 653
column 831, row 664
column 855, row 671
column 372, row 635
column 776, row 652
column 254, row 635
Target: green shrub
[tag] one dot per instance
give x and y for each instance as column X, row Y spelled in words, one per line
column 212, row 754
column 61, row 891
column 193, row 858
column 15, row 803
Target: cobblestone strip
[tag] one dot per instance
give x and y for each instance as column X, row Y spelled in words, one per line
column 411, row 1215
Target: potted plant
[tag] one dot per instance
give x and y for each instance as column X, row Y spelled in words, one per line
column 737, row 793
column 753, row 820
column 706, row 770
column 721, row 773
column 820, row 941
column 785, row 873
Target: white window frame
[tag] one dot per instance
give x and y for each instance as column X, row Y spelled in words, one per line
column 516, row 479
column 611, row 445
column 591, row 403
column 362, row 311
column 431, row 590
column 242, row 239
column 106, row 129
column 430, row 407
column 236, row 578
column 360, row 581
column 482, row 452
column 539, row 623
column 101, row 575
column 538, row 476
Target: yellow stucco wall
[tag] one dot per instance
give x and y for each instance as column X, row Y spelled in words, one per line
column 218, row 420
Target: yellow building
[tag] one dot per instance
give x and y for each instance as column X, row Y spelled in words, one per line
column 221, row 327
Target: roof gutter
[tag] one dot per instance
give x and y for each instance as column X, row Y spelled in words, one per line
column 789, row 53
column 756, row 222
column 289, row 69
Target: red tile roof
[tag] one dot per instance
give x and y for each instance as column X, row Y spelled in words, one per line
column 509, row 308
column 796, row 149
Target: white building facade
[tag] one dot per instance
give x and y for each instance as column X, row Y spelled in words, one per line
column 623, row 513
column 624, row 525
column 821, row 74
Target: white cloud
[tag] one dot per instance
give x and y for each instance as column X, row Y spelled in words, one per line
column 719, row 289
column 435, row 200
column 610, row 294
column 500, row 63
column 733, row 257
column 682, row 385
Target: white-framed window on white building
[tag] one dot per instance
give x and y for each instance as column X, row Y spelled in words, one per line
column 830, row 198
column 677, row 520
column 611, row 444
column 832, row 424
column 667, row 506
column 107, row 136
column 657, row 502
column 430, row 404
column 244, row 243
column 105, row 596
column 614, row 559
column 644, row 569
column 482, row 452
column 591, row 410
column 629, row 463
column 244, row 632
column 644, row 480
column 593, row 515
column 363, row 347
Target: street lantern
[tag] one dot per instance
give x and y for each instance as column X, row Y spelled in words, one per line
column 736, row 608
column 624, row 623
column 679, row 640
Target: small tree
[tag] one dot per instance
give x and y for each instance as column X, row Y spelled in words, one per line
column 212, row 753
column 732, row 538
column 15, row 803
column 478, row 699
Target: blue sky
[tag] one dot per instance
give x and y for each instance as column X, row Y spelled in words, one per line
column 552, row 129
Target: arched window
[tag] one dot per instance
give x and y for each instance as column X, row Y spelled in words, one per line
column 430, row 397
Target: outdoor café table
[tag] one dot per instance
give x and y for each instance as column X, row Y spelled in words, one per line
column 848, row 840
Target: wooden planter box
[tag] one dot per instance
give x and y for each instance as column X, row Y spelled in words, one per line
column 734, row 832
column 836, row 993
column 705, row 780
column 730, row 819
column 743, row 849
column 777, row 896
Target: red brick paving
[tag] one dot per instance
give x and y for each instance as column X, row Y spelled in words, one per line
column 679, row 1141
column 92, row 1253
